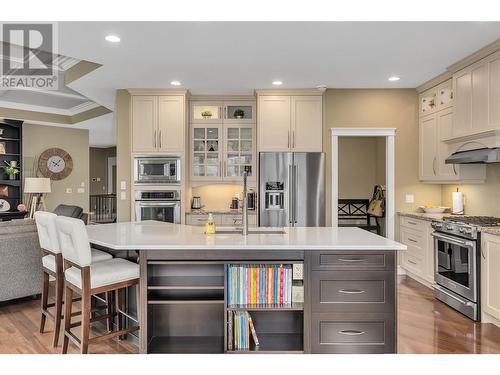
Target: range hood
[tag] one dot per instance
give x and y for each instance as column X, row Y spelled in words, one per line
column 477, row 156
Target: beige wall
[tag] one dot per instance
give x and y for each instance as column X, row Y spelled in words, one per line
column 360, row 167
column 123, row 153
column 38, row 138
column 480, row 199
column 387, row 108
column 98, row 168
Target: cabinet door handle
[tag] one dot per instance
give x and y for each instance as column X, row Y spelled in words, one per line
column 288, row 139
column 411, row 222
column 412, row 262
column 351, row 332
column 351, row 291
column 412, row 240
column 154, row 139
column 355, row 260
column 434, row 165
column 293, row 138
column 454, row 169
column 159, row 138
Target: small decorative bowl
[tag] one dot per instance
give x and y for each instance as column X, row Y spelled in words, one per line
column 434, row 210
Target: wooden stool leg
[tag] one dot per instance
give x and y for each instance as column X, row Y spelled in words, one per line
column 58, row 309
column 45, row 298
column 120, row 305
column 109, row 309
column 68, row 304
column 85, row 321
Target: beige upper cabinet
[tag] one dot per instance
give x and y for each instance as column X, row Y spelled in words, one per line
column 307, row 123
column 171, row 128
column 490, row 277
column 158, row 124
column 436, row 98
column 290, row 123
column 477, row 97
column 428, row 148
column 274, row 122
column 144, row 123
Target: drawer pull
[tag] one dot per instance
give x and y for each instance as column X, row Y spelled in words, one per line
column 411, row 261
column 411, row 222
column 355, row 260
column 351, row 332
column 412, row 240
column 351, row 291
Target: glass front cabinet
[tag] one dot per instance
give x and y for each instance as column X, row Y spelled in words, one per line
column 224, row 147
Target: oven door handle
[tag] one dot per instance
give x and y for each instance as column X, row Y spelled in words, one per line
column 453, row 240
column 158, row 204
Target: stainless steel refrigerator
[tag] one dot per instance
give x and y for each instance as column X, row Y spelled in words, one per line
column 292, row 189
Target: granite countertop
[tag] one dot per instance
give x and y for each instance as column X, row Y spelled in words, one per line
column 228, row 212
column 156, row 235
column 439, row 217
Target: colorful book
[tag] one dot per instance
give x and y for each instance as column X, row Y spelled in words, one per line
column 252, row 329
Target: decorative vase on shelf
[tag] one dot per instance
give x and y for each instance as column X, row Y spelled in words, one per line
column 12, row 176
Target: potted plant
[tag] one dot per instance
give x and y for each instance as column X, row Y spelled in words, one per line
column 11, row 169
column 206, row 113
column 239, row 113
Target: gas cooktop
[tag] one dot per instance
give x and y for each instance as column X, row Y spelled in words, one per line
column 482, row 221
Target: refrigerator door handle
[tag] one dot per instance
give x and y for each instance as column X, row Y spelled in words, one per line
column 290, row 195
column 295, row 188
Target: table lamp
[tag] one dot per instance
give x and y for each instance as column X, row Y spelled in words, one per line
column 37, row 186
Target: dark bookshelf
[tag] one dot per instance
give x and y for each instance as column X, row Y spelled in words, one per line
column 11, row 138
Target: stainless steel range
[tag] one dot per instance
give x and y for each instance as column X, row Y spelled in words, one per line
column 457, row 264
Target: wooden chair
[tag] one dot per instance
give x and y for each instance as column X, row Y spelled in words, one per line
column 88, row 279
column 354, row 213
column 52, row 266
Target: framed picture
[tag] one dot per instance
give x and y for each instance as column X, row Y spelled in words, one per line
column 2, row 148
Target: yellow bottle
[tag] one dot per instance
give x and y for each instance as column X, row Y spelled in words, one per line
column 210, row 225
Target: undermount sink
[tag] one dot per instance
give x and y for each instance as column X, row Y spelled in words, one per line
column 259, row 230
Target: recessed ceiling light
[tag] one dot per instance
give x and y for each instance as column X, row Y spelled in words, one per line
column 394, row 78
column 175, row 83
column 112, row 38
column 277, row 83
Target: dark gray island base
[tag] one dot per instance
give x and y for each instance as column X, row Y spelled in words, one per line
column 349, row 302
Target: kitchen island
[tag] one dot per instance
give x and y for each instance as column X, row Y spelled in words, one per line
column 348, row 287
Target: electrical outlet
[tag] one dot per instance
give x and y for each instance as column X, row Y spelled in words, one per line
column 123, row 195
column 410, row 198
column 98, row 179
column 82, row 184
column 80, row 190
column 123, row 185
column 69, row 190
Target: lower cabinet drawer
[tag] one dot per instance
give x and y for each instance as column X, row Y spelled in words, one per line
column 353, row 333
column 348, row 291
column 352, row 260
column 412, row 262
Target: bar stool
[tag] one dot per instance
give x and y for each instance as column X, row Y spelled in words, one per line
column 52, row 265
column 87, row 279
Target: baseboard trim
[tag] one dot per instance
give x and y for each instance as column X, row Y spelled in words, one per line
column 401, row 271
column 487, row 318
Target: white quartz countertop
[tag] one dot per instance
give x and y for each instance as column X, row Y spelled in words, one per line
column 155, row 235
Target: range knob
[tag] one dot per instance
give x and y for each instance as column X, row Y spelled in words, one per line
column 461, row 230
column 449, row 227
column 468, row 231
column 438, row 225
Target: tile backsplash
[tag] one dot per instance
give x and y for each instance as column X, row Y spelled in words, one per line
column 217, row 197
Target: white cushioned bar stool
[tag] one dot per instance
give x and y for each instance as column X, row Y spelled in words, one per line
column 52, row 265
column 87, row 279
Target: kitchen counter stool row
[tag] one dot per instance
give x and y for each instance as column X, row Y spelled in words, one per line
column 77, row 268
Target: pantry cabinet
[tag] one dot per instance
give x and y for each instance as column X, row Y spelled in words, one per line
column 158, row 123
column 290, row 123
column 418, row 259
column 490, row 277
column 477, row 97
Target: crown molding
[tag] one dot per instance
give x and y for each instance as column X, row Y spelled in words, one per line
column 139, row 91
column 474, row 57
column 434, row 82
column 305, row 92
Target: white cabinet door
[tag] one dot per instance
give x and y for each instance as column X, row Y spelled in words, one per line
column 427, row 102
column 144, row 123
column 274, row 121
column 238, row 152
column 444, row 123
column 428, row 147
column 462, row 87
column 307, row 124
column 479, row 98
column 494, row 91
column 490, row 285
column 206, row 152
column 171, row 128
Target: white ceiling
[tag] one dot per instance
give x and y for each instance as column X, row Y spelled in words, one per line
column 238, row 57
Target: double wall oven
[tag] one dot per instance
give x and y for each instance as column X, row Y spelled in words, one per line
column 159, row 205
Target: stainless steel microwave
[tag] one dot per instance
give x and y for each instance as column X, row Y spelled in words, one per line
column 157, row 169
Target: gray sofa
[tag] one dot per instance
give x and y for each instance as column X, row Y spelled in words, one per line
column 21, row 256
column 21, row 260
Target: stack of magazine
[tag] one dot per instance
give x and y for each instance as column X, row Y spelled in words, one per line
column 259, row 284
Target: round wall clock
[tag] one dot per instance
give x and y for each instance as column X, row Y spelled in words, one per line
column 55, row 163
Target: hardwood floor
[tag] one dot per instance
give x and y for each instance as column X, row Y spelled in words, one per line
column 425, row 325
